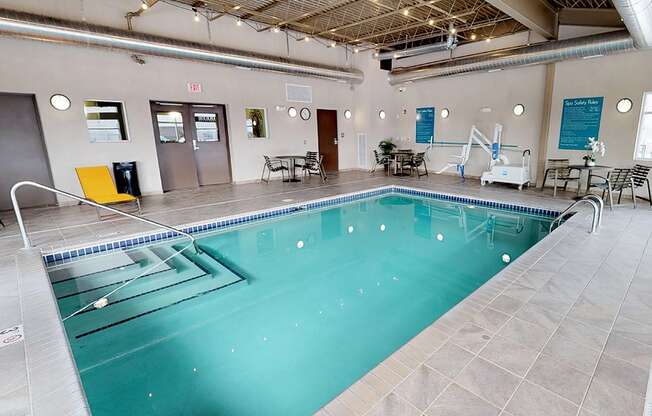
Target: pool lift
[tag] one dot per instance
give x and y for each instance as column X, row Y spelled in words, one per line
column 499, row 168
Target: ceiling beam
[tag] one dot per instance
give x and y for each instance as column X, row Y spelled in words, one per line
column 315, row 12
column 532, row 14
column 590, row 17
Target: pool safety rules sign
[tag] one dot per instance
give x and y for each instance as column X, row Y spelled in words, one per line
column 580, row 119
column 425, row 125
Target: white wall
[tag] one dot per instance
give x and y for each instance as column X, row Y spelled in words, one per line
column 89, row 73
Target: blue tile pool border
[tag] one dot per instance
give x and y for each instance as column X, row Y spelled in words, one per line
column 72, row 254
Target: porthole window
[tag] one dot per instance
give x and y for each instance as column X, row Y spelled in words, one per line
column 445, row 112
column 518, row 110
column 624, row 105
column 305, row 113
column 60, row 102
column 347, row 114
column 382, row 114
column 292, row 112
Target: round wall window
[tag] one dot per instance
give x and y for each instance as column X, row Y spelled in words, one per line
column 60, row 102
column 445, row 112
column 518, row 110
column 382, row 114
column 347, row 114
column 292, row 112
column 305, row 113
column 624, row 105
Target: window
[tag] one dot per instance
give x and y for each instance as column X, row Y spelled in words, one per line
column 643, row 149
column 256, row 123
column 105, row 121
column 206, row 127
column 170, row 127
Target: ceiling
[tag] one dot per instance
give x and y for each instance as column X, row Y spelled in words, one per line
column 377, row 24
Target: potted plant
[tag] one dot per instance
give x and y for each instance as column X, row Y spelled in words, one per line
column 594, row 147
column 386, row 146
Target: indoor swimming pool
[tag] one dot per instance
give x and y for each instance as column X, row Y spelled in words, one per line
column 277, row 317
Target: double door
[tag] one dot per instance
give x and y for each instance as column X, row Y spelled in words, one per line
column 192, row 144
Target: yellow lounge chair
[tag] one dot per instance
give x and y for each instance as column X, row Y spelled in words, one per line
column 98, row 186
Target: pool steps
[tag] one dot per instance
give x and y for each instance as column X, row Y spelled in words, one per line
column 185, row 277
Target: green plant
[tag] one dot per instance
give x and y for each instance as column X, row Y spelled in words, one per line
column 386, row 146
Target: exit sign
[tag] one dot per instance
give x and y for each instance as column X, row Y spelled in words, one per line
column 194, row 87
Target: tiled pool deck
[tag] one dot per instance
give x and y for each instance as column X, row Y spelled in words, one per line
column 564, row 330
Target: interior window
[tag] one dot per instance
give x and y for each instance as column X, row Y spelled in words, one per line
column 206, row 127
column 644, row 137
column 170, row 127
column 105, row 121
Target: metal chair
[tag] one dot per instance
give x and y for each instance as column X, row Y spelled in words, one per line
column 313, row 166
column 616, row 180
column 273, row 165
column 381, row 160
column 640, row 179
column 415, row 162
column 561, row 172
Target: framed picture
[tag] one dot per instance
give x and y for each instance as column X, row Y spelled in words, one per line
column 256, row 123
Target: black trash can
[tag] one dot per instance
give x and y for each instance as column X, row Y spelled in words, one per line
column 126, row 178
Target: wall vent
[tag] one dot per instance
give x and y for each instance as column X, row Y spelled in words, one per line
column 362, row 150
column 298, row 93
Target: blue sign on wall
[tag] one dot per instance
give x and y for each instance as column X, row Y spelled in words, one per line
column 425, row 124
column 580, row 119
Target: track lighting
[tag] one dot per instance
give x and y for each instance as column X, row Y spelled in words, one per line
column 431, row 22
column 276, row 29
column 356, row 50
column 406, row 12
column 333, row 44
column 238, row 22
column 196, row 17
column 144, row 5
column 474, row 36
column 306, row 39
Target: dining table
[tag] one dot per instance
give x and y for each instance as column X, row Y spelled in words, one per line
column 590, row 169
column 291, row 159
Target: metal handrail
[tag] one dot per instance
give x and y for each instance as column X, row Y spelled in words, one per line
column 102, row 301
column 597, row 211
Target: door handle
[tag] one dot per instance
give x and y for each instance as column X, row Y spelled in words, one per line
column 194, row 145
column 335, row 140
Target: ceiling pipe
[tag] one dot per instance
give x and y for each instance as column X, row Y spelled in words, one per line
column 544, row 53
column 35, row 27
column 637, row 16
column 418, row 50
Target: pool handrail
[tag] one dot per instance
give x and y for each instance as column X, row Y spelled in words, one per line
column 595, row 202
column 103, row 300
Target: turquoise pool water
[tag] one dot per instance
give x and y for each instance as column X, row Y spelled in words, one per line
column 328, row 295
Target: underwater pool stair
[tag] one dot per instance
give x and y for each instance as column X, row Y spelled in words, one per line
column 181, row 278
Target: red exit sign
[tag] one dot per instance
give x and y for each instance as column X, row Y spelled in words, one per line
column 194, row 87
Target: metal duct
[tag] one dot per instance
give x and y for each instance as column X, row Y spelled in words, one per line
column 637, row 16
column 419, row 50
column 545, row 53
column 30, row 26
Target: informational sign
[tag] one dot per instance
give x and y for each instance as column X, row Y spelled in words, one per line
column 425, row 125
column 580, row 120
column 194, row 87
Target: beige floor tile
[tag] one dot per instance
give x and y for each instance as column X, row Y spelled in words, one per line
column 506, row 304
column 490, row 319
column 609, row 400
column 449, row 359
column 508, row 354
column 629, row 350
column 546, row 318
column 559, row 378
column 572, row 354
column 583, row 334
column 525, row 333
column 393, row 405
column 533, row 400
column 456, row 401
column 622, row 374
column 488, row 381
column 422, row 387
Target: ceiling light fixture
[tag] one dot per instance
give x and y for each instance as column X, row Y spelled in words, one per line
column 453, row 30
column 488, row 40
column 356, row 50
column 431, row 22
column 144, row 5
column 276, row 29
column 306, row 39
column 236, row 7
column 406, row 12
column 333, row 44
column 238, row 22
column 196, row 17
column 474, row 36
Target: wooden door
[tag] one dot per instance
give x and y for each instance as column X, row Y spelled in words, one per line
column 328, row 140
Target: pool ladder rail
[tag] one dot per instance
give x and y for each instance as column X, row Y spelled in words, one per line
column 104, row 300
column 594, row 201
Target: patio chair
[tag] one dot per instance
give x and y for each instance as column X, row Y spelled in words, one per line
column 313, row 166
column 561, row 172
column 383, row 160
column 640, row 179
column 415, row 162
column 616, row 180
column 98, row 186
column 273, row 165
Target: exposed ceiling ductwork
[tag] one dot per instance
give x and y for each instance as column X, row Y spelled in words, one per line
column 545, row 53
column 637, row 16
column 48, row 29
column 449, row 44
